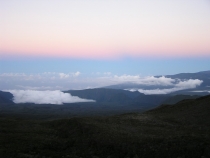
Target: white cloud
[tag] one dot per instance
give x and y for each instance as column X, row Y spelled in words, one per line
column 74, row 80
column 45, row 97
column 76, row 74
column 13, row 74
column 181, row 85
column 35, row 76
column 50, row 73
column 159, row 91
column 150, row 80
column 188, row 84
column 39, row 88
column 126, row 78
column 63, row 75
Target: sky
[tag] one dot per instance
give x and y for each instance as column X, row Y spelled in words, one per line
column 66, row 44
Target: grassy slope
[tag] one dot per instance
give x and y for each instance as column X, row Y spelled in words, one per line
column 181, row 130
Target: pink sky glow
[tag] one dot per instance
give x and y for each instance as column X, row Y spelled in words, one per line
column 109, row 29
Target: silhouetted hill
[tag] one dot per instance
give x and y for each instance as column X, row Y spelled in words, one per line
column 189, row 111
column 154, row 100
column 175, row 99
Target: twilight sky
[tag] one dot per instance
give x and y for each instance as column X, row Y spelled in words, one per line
column 84, row 42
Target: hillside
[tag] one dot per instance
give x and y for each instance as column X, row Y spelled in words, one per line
column 176, row 98
column 119, row 96
column 179, row 130
column 192, row 111
column 105, row 95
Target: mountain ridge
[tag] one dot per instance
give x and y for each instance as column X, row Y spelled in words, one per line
column 201, row 90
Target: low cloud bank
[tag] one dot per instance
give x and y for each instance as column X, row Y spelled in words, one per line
column 150, row 80
column 45, row 97
column 180, row 85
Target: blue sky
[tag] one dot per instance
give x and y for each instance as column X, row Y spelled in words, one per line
column 131, row 66
column 66, row 44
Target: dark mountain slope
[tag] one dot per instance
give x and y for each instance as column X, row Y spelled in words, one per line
column 152, row 100
column 177, row 98
column 180, row 130
column 105, row 95
column 193, row 111
column 121, row 97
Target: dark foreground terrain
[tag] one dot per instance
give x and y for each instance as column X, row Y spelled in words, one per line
column 180, row 130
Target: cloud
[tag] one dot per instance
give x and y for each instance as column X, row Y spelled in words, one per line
column 44, row 75
column 74, row 80
column 158, row 91
column 181, row 85
column 188, row 84
column 150, row 80
column 76, row 74
column 12, row 74
column 45, row 97
column 63, row 76
column 39, row 88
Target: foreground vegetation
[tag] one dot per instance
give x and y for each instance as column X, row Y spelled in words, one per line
column 181, row 130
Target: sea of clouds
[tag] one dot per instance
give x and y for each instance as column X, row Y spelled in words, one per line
column 45, row 97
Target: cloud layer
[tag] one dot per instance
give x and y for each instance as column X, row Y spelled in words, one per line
column 149, row 80
column 45, row 97
column 76, row 80
column 180, row 85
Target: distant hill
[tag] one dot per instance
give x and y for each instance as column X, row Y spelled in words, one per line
column 120, row 97
column 203, row 75
column 105, row 95
column 197, row 75
column 6, row 98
